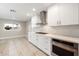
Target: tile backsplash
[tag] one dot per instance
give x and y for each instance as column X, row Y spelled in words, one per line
column 68, row 30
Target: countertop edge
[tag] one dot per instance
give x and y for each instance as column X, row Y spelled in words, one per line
column 62, row 37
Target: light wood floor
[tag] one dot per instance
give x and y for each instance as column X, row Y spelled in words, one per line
column 18, row 47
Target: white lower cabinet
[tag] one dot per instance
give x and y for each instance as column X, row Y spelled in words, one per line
column 32, row 38
column 42, row 42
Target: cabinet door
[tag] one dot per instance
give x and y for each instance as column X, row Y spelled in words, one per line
column 29, row 36
column 76, row 13
column 32, row 38
column 52, row 16
column 45, row 44
column 35, row 40
column 67, row 13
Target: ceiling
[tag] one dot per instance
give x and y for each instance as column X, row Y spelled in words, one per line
column 22, row 9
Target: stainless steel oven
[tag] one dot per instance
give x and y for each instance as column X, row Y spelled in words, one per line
column 63, row 48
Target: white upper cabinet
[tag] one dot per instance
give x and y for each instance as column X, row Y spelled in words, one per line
column 52, row 15
column 63, row 14
column 68, row 13
column 76, row 13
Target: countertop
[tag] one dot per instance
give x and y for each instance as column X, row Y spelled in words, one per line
column 61, row 37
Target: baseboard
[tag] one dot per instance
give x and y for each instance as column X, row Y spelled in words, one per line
column 18, row 36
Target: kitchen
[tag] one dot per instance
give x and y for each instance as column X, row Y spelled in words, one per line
column 43, row 29
column 55, row 30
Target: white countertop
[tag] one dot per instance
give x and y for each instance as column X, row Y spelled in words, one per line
column 62, row 37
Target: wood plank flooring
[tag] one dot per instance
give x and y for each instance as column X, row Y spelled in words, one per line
column 18, row 47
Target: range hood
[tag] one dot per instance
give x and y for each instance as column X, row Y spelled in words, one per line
column 39, row 19
column 42, row 17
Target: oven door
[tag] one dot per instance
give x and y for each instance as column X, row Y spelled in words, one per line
column 61, row 52
column 62, row 48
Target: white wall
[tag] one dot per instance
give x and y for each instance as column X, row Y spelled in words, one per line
column 15, row 33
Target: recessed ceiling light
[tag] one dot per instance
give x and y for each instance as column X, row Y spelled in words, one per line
column 34, row 9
